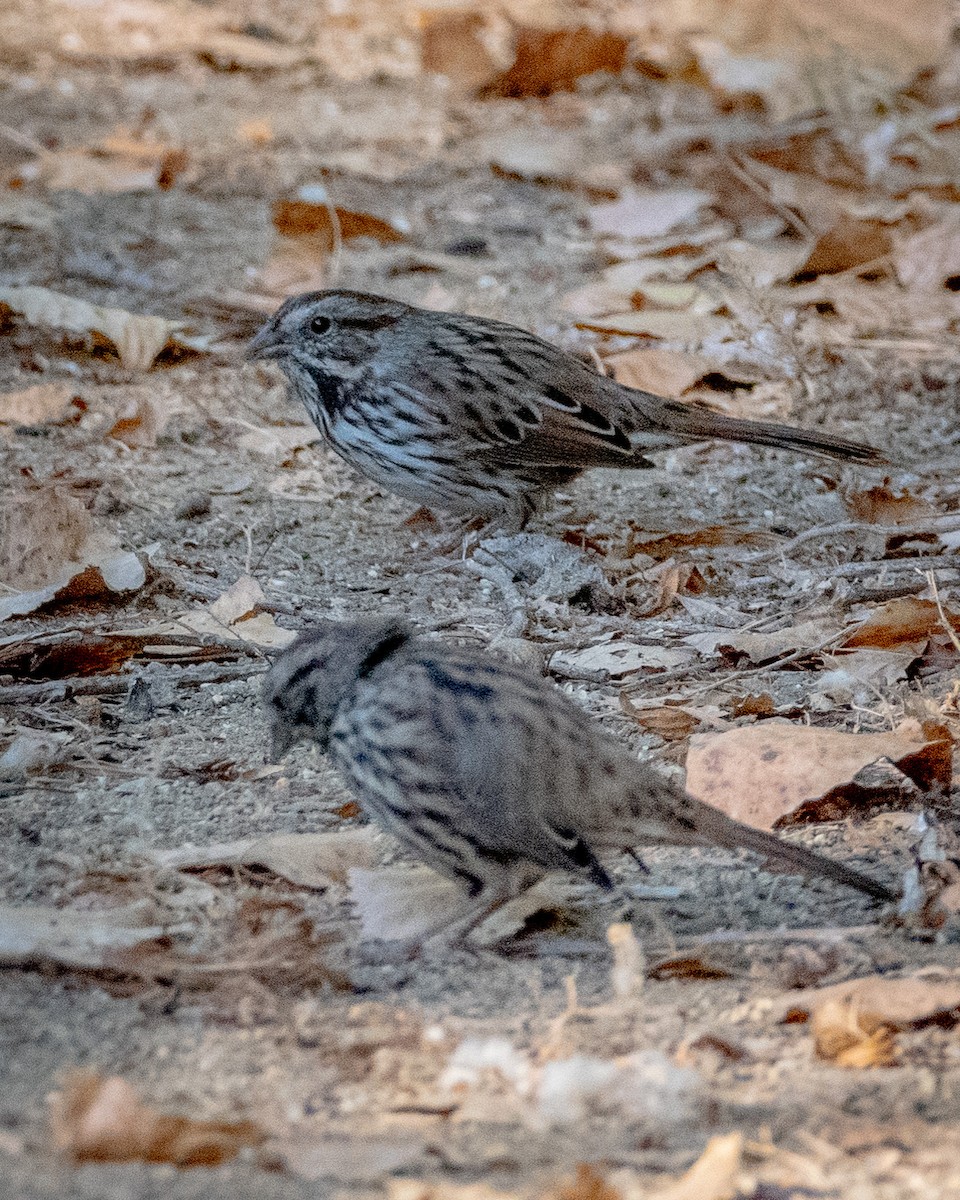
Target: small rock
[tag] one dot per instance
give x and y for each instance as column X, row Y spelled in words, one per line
column 194, row 504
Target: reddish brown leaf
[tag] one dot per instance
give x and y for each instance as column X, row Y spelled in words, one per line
column 552, row 60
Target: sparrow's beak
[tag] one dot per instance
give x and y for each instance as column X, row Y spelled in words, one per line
column 266, row 344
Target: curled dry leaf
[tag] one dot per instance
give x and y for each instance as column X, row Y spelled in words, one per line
column 314, row 860
column 99, row 1119
column 777, row 773
column 50, row 550
column 311, row 215
column 237, row 614
column 853, row 1023
column 137, row 339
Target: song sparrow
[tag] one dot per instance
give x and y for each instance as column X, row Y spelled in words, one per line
column 488, row 774
column 475, row 416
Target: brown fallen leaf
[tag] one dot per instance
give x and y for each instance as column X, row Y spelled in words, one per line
column 850, row 243
column 882, row 506
column 138, row 424
column 94, row 1118
column 777, row 773
column 552, row 60
column 672, row 724
column 685, row 967
column 72, row 653
column 905, row 622
column 43, row 404
column 665, row 372
column 237, row 613
column 850, row 1038
column 666, row 545
column 587, row 1184
column 456, row 43
column 313, row 218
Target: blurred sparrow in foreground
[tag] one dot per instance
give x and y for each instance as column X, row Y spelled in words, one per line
column 488, row 774
column 475, row 416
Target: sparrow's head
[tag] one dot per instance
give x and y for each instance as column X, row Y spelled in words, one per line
column 316, row 674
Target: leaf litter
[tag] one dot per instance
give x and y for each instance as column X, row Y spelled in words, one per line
column 710, row 254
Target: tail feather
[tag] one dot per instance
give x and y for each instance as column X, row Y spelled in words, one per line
column 694, row 422
column 657, row 814
column 720, row 830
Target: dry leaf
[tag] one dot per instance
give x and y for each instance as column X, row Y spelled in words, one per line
column 347, row 1158
column 664, row 372
column 765, row 647
column 882, row 506
column 43, row 404
column 672, row 724
column 311, row 215
column 279, row 441
column 137, row 339
column 619, row 658
column 18, row 211
column 314, row 860
column 907, row 622
column 139, row 423
column 235, row 613
column 648, row 214
column 403, row 903
column 50, row 550
column 668, row 325
column 98, row 1119
column 777, row 773
column 552, row 60
column 850, row 243
column 930, row 259
column 853, row 1022
column 418, row 1189
column 31, row 933
column 666, row 545
column 713, row 1176
column 259, row 131
column 550, row 155
column 457, row 44
column 686, row 967
column 587, row 1184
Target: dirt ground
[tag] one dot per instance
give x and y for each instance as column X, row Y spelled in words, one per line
column 346, row 1050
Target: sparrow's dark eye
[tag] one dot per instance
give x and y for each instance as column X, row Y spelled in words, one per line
column 320, row 324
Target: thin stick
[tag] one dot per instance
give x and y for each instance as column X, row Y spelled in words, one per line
column 951, row 632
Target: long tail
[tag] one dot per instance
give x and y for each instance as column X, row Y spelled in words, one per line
column 733, row 835
column 691, row 421
column 657, row 813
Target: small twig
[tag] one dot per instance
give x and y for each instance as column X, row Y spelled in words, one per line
column 721, row 937
column 936, row 562
column 951, row 632
column 946, row 524
column 116, row 685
